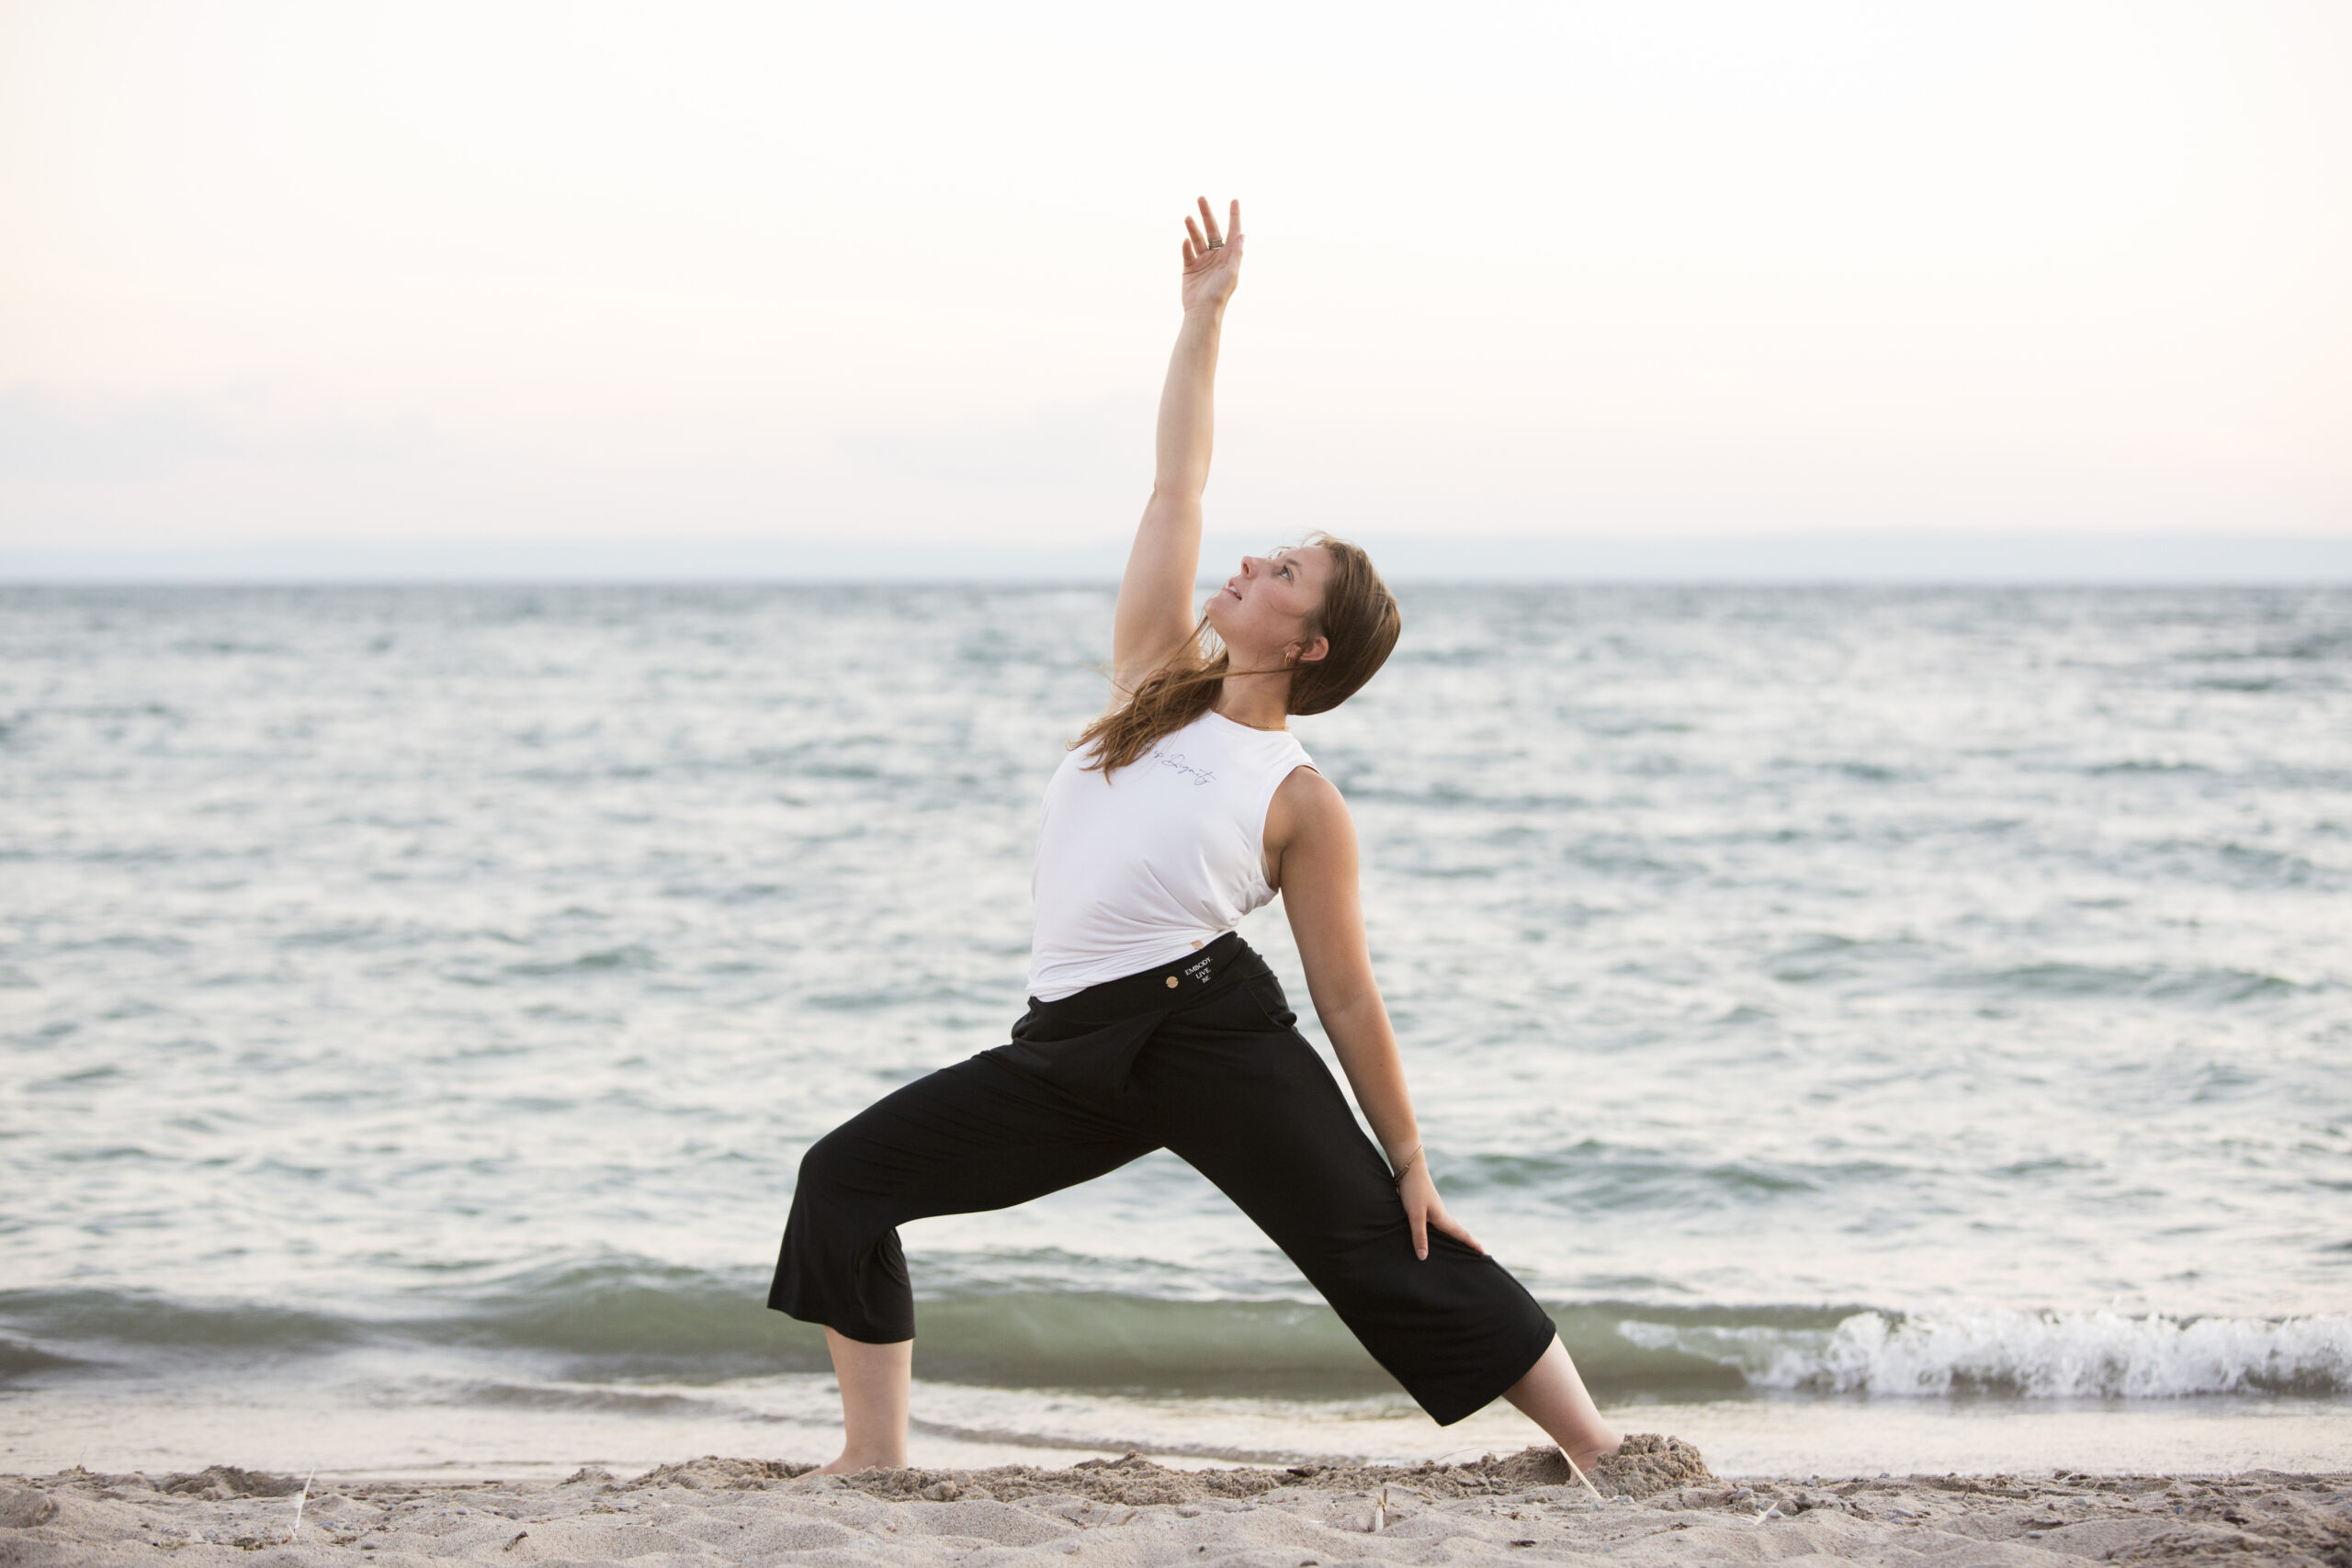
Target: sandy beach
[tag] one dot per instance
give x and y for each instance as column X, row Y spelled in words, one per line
column 1658, row 1505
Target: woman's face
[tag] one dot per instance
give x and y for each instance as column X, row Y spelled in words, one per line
column 1264, row 610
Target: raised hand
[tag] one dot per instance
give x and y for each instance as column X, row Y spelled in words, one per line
column 1212, row 258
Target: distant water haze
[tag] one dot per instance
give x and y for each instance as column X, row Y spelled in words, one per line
column 1911, row 559
column 1831, row 1001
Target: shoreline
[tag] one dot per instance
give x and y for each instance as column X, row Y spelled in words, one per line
column 1657, row 1504
column 361, row 1424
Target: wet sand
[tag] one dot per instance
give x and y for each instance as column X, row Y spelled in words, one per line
column 1660, row 1505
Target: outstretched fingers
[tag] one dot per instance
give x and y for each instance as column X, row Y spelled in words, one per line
column 1203, row 236
column 1211, row 251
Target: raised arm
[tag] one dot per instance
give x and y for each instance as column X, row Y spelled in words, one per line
column 1156, row 609
column 1311, row 843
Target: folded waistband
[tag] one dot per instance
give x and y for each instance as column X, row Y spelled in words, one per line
column 1178, row 983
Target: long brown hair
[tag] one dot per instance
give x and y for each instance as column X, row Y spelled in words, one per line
column 1358, row 616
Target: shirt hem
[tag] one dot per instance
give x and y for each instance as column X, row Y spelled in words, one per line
column 1124, row 967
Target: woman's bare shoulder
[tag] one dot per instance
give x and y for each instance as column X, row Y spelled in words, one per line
column 1306, row 806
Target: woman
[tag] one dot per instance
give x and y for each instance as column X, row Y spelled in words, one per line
column 1151, row 1024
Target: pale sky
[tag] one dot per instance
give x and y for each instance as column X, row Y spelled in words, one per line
column 422, row 272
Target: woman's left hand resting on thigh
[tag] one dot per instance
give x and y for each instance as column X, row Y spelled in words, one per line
column 1311, row 857
column 1426, row 1210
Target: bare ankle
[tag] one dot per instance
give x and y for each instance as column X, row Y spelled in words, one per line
column 850, row 1463
column 1593, row 1453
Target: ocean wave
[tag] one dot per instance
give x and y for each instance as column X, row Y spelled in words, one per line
column 1592, row 1174
column 599, row 1323
column 59, row 1323
column 19, row 1361
column 621, row 1321
column 633, row 1320
column 2204, row 985
column 2101, row 1355
column 593, row 1400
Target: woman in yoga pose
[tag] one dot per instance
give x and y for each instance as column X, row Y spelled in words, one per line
column 1151, row 1024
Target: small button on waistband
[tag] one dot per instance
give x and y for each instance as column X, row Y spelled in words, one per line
column 1171, row 982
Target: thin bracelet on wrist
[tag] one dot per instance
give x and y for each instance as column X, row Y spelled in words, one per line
column 1396, row 1177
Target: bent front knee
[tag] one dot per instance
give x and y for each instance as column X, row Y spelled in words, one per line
column 835, row 1175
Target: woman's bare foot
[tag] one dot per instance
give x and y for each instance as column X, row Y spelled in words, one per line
column 850, row 1463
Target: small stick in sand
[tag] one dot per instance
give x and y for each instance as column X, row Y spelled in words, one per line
column 1580, row 1475
column 305, row 1497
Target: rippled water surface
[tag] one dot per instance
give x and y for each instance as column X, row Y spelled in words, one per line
column 1855, row 993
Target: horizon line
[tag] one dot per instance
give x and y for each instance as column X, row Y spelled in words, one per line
column 1907, row 558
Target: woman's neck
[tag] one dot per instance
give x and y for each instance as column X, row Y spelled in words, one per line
column 1262, row 702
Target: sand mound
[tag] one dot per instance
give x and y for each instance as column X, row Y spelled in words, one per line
column 1134, row 1480
column 22, row 1507
column 1649, row 1464
column 711, row 1474
column 223, row 1481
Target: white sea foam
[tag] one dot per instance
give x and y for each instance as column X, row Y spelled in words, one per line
column 2050, row 1355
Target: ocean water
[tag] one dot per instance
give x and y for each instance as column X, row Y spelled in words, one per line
column 1902, row 1028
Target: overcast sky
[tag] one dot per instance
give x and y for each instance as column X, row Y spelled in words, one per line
column 418, row 272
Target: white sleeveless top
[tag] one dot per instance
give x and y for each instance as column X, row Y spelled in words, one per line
column 1163, row 855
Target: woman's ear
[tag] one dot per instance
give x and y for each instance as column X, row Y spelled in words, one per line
column 1308, row 652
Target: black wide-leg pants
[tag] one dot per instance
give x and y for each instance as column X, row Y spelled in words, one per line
column 1200, row 1058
